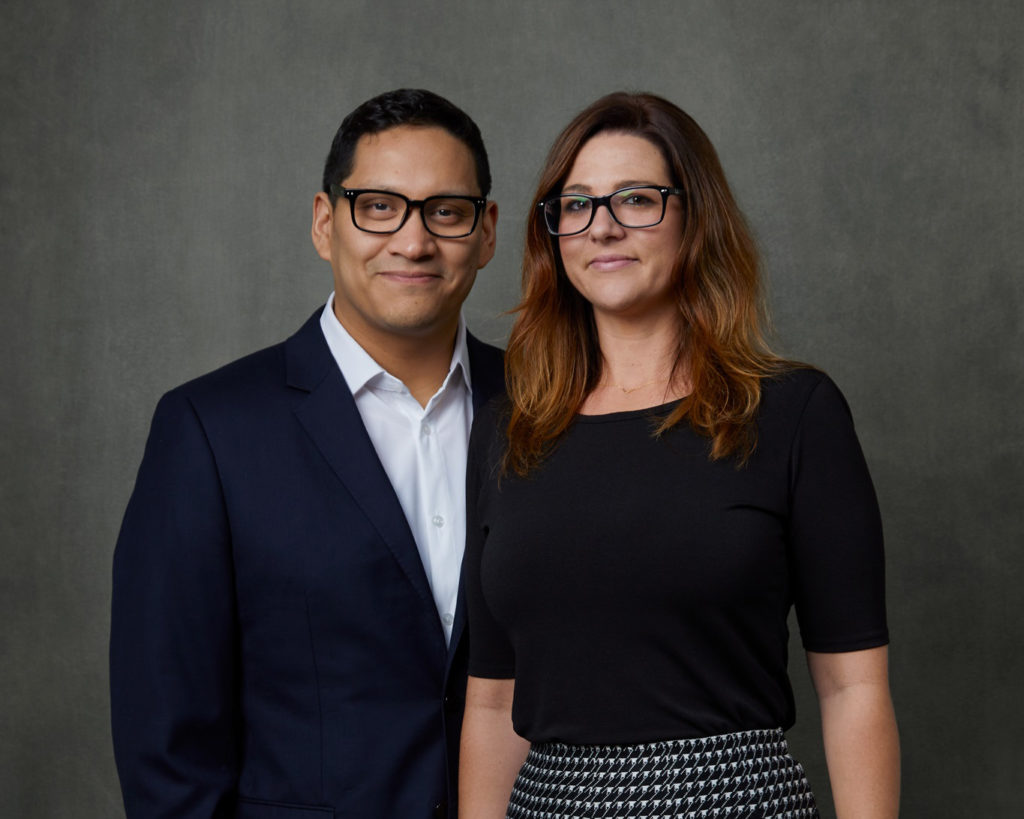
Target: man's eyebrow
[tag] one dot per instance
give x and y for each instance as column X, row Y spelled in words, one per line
column 391, row 189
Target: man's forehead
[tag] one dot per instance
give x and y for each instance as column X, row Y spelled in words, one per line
column 426, row 157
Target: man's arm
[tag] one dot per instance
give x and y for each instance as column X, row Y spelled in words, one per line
column 173, row 642
column 859, row 728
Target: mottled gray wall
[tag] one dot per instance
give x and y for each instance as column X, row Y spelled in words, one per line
column 158, row 166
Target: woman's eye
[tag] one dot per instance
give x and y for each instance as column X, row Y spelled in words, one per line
column 639, row 200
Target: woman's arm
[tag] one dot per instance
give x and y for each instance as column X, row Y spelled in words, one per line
column 492, row 753
column 859, row 727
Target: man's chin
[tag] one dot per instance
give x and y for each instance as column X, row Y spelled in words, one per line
column 420, row 325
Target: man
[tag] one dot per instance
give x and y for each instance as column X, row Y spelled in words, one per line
column 287, row 626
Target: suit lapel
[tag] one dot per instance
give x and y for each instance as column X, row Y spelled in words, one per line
column 487, row 374
column 331, row 419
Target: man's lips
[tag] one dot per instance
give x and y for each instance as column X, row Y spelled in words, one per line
column 409, row 276
column 610, row 261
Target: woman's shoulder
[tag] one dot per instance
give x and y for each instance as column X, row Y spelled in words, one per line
column 795, row 388
column 792, row 378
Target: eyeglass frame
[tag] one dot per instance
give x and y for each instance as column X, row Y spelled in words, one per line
column 598, row 201
column 479, row 202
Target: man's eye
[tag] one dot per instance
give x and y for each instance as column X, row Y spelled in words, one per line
column 379, row 207
column 452, row 210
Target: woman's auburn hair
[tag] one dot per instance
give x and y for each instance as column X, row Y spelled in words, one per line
column 554, row 360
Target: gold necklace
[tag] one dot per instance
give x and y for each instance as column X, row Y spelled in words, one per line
column 628, row 390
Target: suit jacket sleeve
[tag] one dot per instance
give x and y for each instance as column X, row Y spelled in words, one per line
column 173, row 641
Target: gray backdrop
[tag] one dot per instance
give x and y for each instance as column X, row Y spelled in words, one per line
column 158, row 167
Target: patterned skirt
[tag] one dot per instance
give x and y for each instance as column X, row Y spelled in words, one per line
column 748, row 775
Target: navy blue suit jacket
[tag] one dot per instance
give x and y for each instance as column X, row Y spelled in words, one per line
column 276, row 652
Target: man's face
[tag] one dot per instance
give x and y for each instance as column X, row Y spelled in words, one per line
column 410, row 283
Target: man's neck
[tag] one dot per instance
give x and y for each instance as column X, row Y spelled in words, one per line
column 421, row 362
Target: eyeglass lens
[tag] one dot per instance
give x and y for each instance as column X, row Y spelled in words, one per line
column 631, row 207
column 443, row 215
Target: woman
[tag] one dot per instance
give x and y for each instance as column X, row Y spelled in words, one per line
column 658, row 491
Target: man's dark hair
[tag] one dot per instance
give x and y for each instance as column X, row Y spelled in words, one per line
column 405, row 106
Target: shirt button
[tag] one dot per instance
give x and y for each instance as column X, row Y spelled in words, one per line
column 426, row 428
column 447, row 619
column 438, row 521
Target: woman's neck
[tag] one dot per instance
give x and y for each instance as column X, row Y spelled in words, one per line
column 638, row 367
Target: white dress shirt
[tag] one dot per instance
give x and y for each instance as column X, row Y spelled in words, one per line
column 422, row 450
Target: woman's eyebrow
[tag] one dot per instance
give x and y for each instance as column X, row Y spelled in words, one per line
column 626, row 183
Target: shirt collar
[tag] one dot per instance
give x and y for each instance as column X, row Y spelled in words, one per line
column 359, row 369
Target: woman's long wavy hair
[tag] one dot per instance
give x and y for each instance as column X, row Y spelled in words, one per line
column 554, row 358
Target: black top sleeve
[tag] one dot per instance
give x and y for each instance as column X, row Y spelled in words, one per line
column 835, row 531
column 495, row 657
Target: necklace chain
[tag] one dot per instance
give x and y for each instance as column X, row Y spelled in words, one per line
column 628, row 390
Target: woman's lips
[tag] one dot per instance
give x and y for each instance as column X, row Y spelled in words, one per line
column 610, row 262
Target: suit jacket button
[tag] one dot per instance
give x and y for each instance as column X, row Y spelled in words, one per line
column 441, row 810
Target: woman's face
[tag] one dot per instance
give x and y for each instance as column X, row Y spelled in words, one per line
column 623, row 272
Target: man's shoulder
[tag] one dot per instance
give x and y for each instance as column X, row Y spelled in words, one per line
column 257, row 366
column 487, row 364
column 483, row 348
column 253, row 377
column 235, row 382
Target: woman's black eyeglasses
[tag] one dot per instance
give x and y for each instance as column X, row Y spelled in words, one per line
column 638, row 207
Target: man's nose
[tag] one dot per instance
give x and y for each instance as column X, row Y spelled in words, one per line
column 413, row 240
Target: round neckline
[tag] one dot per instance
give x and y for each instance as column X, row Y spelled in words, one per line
column 625, row 415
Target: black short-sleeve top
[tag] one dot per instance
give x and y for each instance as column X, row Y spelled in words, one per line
column 638, row 590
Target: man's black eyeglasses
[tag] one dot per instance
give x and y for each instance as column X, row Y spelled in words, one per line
column 449, row 217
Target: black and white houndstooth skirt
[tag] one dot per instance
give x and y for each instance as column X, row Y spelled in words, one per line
column 749, row 775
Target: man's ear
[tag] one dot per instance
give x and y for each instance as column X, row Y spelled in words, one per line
column 489, row 226
column 323, row 225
